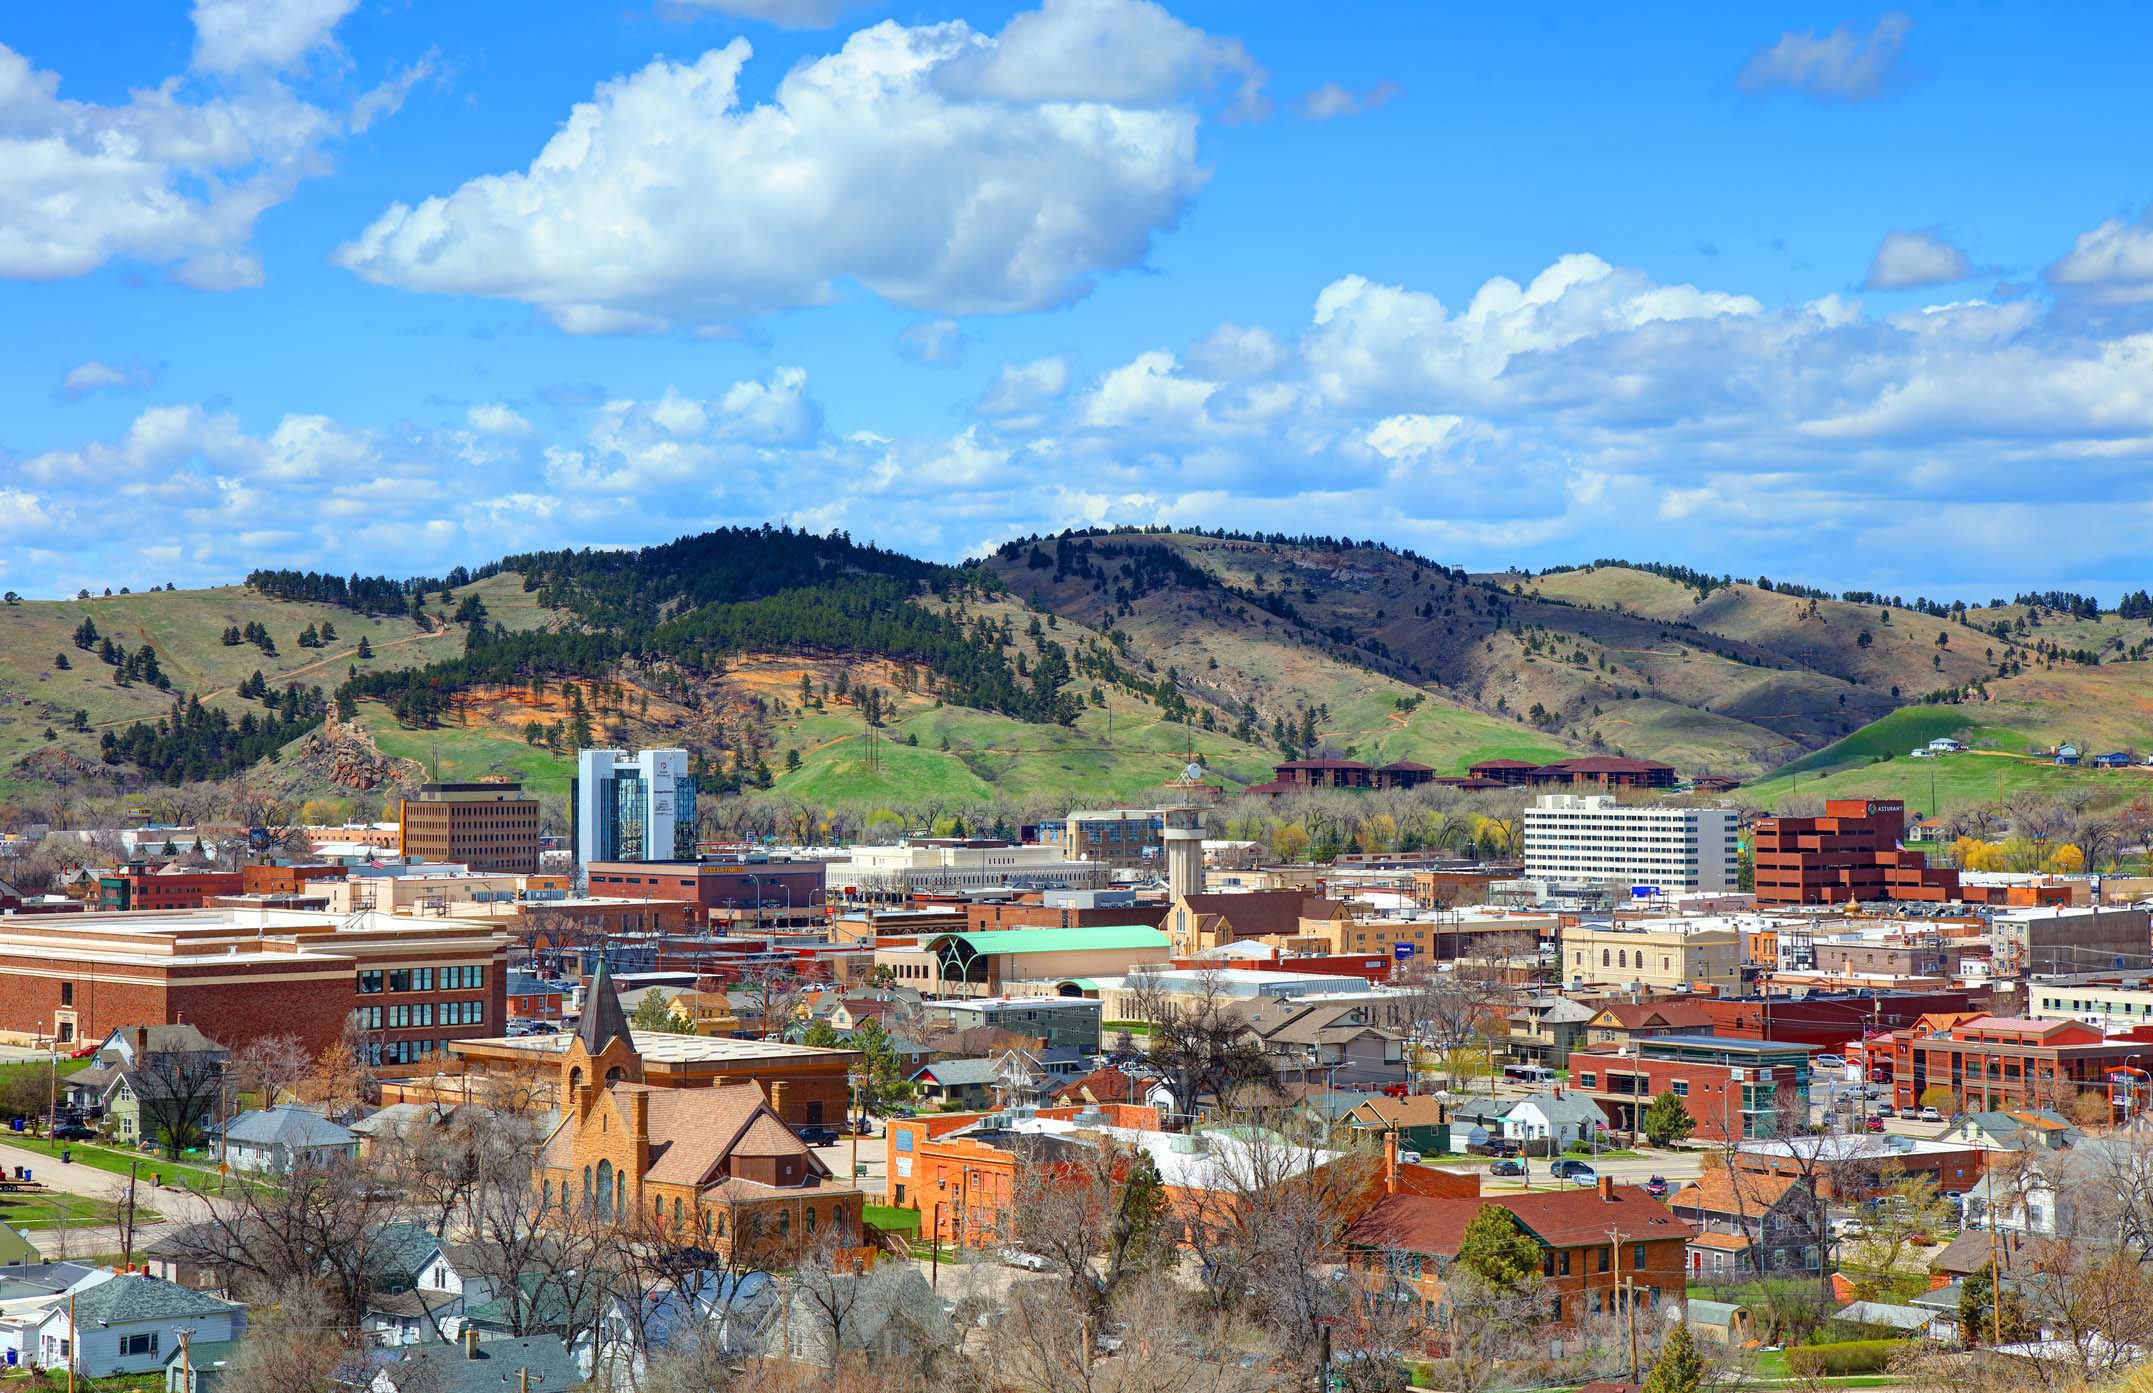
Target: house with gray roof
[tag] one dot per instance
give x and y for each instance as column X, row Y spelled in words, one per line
column 890, row 1313
column 128, row 1324
column 962, row 1083
column 1553, row 1117
column 471, row 1365
column 273, row 1140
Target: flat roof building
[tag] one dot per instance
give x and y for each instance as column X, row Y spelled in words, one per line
column 1655, row 955
column 238, row 975
column 1659, row 850
column 486, row 826
column 1853, row 852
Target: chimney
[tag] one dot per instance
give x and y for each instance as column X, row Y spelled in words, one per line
column 1390, row 1162
column 142, row 1045
column 639, row 1115
column 1607, row 1187
column 470, row 1342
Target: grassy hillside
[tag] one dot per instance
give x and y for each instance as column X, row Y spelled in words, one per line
column 1184, row 619
column 185, row 627
column 1953, row 782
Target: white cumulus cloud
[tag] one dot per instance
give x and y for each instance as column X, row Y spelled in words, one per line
column 926, row 164
column 1906, row 260
column 2111, row 264
column 169, row 177
column 785, row 14
column 1333, row 100
column 94, row 376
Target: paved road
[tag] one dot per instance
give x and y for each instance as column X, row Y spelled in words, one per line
column 1674, row 1167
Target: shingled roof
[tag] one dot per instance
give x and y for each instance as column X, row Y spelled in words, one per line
column 603, row 1019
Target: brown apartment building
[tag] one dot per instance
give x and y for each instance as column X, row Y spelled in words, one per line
column 1853, row 852
column 486, row 826
column 1601, row 772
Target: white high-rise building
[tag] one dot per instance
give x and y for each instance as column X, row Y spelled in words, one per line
column 1594, row 839
column 638, row 807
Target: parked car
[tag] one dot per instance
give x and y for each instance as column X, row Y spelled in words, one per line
column 1831, row 1061
column 1584, row 1179
column 1567, row 1168
column 86, row 1051
column 1507, row 1167
column 1931, row 1115
column 1409, row 1158
column 74, row 1131
column 1848, row 1228
column 1017, row 1257
column 1873, row 1124
column 817, row 1136
column 1657, row 1187
column 1886, row 1110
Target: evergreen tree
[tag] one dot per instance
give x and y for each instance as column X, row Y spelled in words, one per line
column 59, row 660
column 1680, row 1368
column 365, row 649
column 1495, row 1250
column 1667, row 1121
column 655, row 1012
column 328, row 632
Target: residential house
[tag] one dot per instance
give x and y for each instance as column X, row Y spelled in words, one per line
column 958, row 1083
column 28, row 1288
column 418, row 1285
column 128, row 1323
column 1545, row 1028
column 1620, row 1025
column 1104, row 1085
column 1421, row 1122
column 706, row 1013
column 1555, row 1118
column 473, row 1365
column 275, row 1140
column 176, row 1069
column 1596, row 1245
column 1338, row 1043
column 1773, row 1219
column 2021, row 1129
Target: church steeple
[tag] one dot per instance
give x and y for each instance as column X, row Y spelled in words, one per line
column 603, row 1051
column 603, row 1020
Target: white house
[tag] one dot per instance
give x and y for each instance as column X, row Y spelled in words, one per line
column 275, row 1139
column 1551, row 1117
column 130, row 1324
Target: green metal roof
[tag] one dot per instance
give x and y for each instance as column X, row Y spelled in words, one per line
column 1103, row 936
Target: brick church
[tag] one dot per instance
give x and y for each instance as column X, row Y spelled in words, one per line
column 709, row 1167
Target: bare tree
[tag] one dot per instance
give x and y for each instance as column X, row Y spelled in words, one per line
column 1098, row 1217
column 314, row 1225
column 1197, row 1043
column 270, row 1066
column 176, row 1092
column 294, row 1343
column 1265, row 1220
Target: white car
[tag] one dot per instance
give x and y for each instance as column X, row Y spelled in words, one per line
column 1831, row 1061
column 1931, row 1115
column 1017, row 1257
column 1409, row 1158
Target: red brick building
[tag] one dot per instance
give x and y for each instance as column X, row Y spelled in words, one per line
column 753, row 894
column 1851, row 853
column 1600, row 1249
column 1996, row 1062
column 239, row 975
column 139, row 887
column 1347, row 773
column 1029, row 914
column 286, row 879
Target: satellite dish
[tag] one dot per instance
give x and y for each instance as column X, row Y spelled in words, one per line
column 1192, row 771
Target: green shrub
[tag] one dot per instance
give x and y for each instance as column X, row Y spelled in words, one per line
column 1846, row 1357
column 1577, row 1148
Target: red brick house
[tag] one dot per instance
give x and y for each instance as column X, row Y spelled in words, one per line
column 1596, row 1246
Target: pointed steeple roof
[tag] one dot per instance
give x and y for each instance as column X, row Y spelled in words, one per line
column 603, row 1020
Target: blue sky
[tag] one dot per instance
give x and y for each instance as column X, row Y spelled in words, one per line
column 1855, row 296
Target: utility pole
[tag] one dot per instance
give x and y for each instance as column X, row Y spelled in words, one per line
column 1629, row 1307
column 74, row 1342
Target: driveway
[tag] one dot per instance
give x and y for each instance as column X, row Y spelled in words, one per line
column 174, row 1205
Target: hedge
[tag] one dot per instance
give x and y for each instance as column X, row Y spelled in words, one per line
column 1846, row 1357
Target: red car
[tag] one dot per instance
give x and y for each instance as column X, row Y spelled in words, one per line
column 1874, row 1124
column 84, row 1053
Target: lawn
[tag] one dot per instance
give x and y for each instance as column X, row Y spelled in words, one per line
column 1952, row 782
column 891, row 1219
column 117, row 1160
column 56, row 1209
